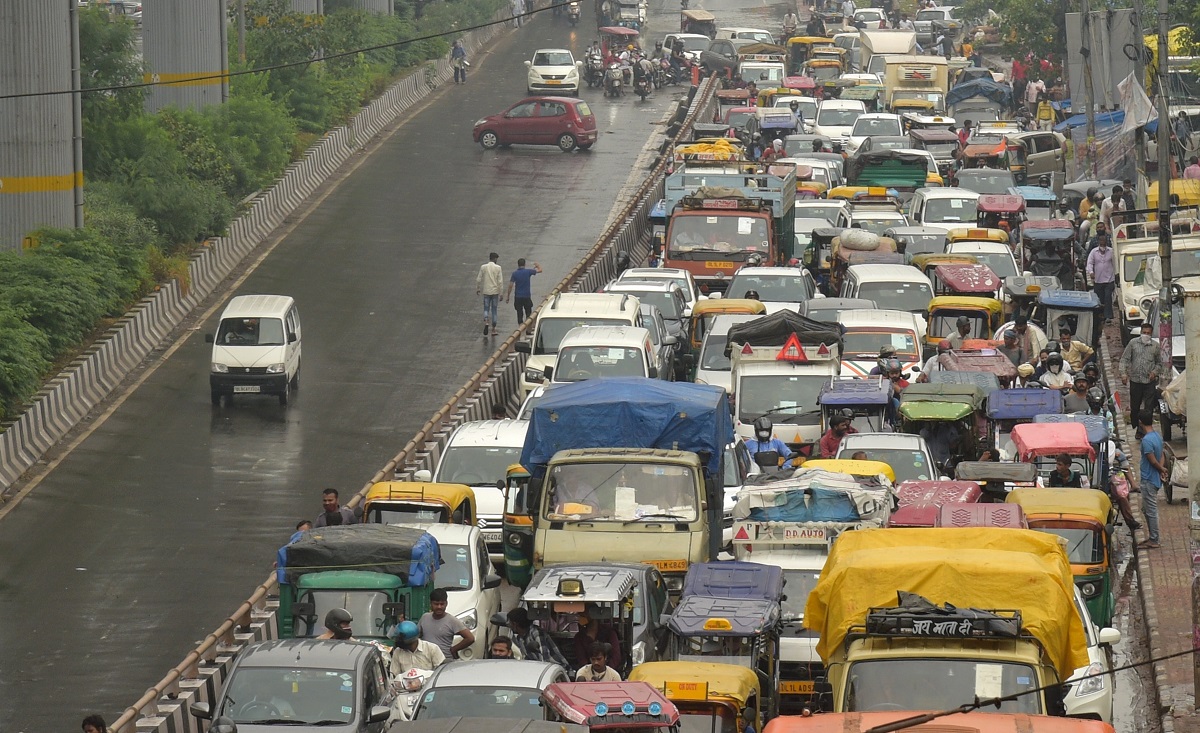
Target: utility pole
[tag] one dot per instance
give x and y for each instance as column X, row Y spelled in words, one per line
column 1085, row 51
column 241, row 30
column 1139, row 66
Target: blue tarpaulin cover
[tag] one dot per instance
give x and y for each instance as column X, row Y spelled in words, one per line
column 746, row 616
column 629, row 413
column 1069, row 299
column 812, row 505
column 734, row 580
column 999, row 93
column 1023, row 403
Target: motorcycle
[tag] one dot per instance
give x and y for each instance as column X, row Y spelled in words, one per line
column 408, row 693
column 573, row 12
column 594, row 71
column 641, row 86
column 613, row 79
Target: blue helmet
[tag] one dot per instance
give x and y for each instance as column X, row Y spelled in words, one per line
column 407, row 631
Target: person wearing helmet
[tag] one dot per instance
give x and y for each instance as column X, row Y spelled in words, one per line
column 751, row 295
column 1092, row 372
column 1076, row 400
column 1056, row 376
column 1065, row 211
column 764, row 440
column 886, row 352
column 413, row 652
column 932, row 364
column 839, row 427
column 1085, row 206
column 337, row 625
column 963, row 331
column 798, row 114
column 895, row 372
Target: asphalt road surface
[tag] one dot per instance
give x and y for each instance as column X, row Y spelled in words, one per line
column 164, row 519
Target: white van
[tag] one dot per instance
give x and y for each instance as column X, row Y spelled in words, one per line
column 893, row 287
column 867, row 331
column 564, row 312
column 597, row 352
column 256, row 349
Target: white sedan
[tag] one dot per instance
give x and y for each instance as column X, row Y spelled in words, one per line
column 872, row 124
column 554, row 71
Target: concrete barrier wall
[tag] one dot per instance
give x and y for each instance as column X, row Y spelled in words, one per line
column 67, row 398
column 164, row 707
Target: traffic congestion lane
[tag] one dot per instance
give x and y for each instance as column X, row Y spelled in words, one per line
column 167, row 516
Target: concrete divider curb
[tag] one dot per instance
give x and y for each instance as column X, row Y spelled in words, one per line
column 69, row 396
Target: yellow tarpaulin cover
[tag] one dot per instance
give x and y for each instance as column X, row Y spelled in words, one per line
column 970, row 567
column 723, row 680
column 1094, row 504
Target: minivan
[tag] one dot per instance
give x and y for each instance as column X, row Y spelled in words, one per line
column 256, row 349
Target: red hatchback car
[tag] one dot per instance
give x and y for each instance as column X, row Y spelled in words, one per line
column 563, row 121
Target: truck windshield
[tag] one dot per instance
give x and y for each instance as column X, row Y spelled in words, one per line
column 577, row 363
column 250, row 332
column 785, row 398
column 482, row 700
column 799, row 584
column 365, row 605
column 550, row 331
column 476, row 465
column 863, row 341
column 302, row 696
column 939, row 684
column 787, row 288
column 704, row 236
column 913, row 297
column 761, row 74
column 621, row 492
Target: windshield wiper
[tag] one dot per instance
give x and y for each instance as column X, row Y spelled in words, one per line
column 775, row 410
column 656, row 515
column 328, row 722
column 797, row 416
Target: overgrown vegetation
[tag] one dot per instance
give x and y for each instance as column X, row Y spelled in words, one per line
column 157, row 184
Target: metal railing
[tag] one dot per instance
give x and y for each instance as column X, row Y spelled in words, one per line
column 163, row 708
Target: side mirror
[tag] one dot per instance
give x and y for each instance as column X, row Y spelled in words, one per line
column 291, row 338
column 378, row 714
column 670, row 340
column 500, row 619
column 301, row 610
column 714, row 296
column 548, row 373
column 422, row 475
column 501, row 485
column 664, row 619
column 578, row 64
column 395, row 609
column 208, row 338
column 1109, row 636
column 528, row 64
column 201, row 710
column 523, row 347
column 491, row 581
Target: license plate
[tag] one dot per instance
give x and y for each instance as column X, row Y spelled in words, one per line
column 246, row 388
column 492, row 538
column 553, row 82
column 799, row 687
column 719, row 265
column 668, row 566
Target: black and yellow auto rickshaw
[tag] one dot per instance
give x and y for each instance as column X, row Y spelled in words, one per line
column 984, row 315
column 767, row 97
column 800, row 48
column 695, row 20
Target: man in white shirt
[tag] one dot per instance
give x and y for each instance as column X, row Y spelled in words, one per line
column 848, row 10
column 488, row 283
column 1033, row 92
column 1116, row 203
column 413, row 652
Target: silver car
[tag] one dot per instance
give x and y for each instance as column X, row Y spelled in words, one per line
column 488, row 688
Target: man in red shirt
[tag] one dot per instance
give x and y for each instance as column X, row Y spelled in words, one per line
column 839, row 427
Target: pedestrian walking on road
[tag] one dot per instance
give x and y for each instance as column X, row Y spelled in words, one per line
column 333, row 515
column 1102, row 273
column 1141, row 364
column 440, row 628
column 488, row 283
column 1153, row 473
column 458, row 59
column 518, row 284
column 94, row 724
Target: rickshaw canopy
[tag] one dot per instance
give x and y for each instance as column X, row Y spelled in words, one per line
column 1069, row 299
column 761, row 49
column 982, row 472
column 1029, row 286
column 984, row 380
column 990, row 306
column 925, row 262
column 734, row 579
column 698, row 15
column 707, row 616
column 931, row 134
column 863, row 92
column 854, row 468
column 579, row 584
column 601, row 705
column 1034, row 440
column 1037, row 503
column 1095, row 425
column 849, row 392
column 729, row 681
column 900, row 105
column 1037, row 194
column 1000, row 203
column 799, row 83
column 767, row 97
column 936, row 411
column 1047, row 230
column 1023, row 403
column 859, row 257
column 442, row 498
column 941, row 401
column 962, row 278
column 732, row 96
column 972, row 361
column 616, row 30
column 713, row 306
column 977, row 234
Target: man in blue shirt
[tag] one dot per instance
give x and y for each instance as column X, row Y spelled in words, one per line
column 520, row 281
column 1153, row 473
column 764, row 440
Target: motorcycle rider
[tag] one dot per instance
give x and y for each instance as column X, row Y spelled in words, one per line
column 798, row 114
column 642, row 71
column 413, row 652
column 764, row 440
column 790, row 22
column 337, row 625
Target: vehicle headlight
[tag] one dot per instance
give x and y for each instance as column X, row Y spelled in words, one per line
column 469, row 618
column 1088, row 590
column 534, row 375
column 1147, row 304
column 639, row 653
column 1092, row 685
column 220, row 368
column 480, row 121
column 275, row 369
column 514, row 539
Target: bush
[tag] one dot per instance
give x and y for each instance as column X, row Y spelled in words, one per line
column 22, row 360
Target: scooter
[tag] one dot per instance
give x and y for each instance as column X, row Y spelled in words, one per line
column 613, row 79
column 595, row 70
column 641, row 86
column 408, row 692
column 573, row 12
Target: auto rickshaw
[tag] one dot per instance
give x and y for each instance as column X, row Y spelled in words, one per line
column 1097, row 435
column 866, row 469
column 414, row 502
column 968, row 280
column 997, row 478
column 992, row 364
column 1085, row 520
column 767, row 97
column 1039, row 201
column 869, row 94
column 1010, row 407
column 919, row 240
column 1007, row 155
column 1048, row 248
column 616, row 706
column 868, row 401
column 762, row 52
column 937, row 141
column 996, row 211
column 913, row 106
column 800, row 48
column 914, row 122
column 695, row 20
column 806, row 188
column 822, row 71
column 705, row 310
column 948, row 416
column 710, row 696
column 613, row 38
column 518, row 527
column 920, row 502
column 944, row 311
column 1041, row 443
column 803, row 84
column 741, row 631
column 818, row 256
column 977, row 234
column 842, row 258
column 830, row 53
column 1078, row 310
column 927, row 262
column 734, row 97
column 1021, row 292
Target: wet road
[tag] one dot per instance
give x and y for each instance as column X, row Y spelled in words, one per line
column 162, row 521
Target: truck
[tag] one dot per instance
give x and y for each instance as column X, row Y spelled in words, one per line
column 789, row 523
column 916, row 78
column 778, row 365
column 627, row 470
column 381, row 573
column 979, row 100
column 957, row 614
column 876, row 45
column 723, row 215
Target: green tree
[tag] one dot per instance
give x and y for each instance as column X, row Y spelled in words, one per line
column 107, row 58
